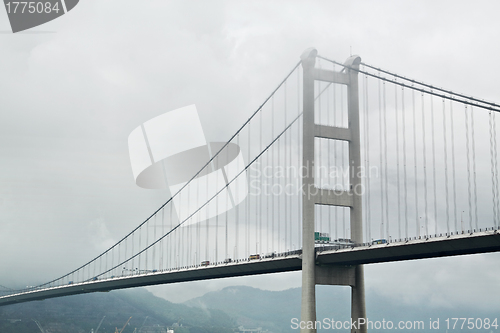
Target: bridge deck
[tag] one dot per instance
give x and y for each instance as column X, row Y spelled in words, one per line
column 479, row 242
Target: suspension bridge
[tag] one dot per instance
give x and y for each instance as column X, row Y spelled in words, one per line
column 344, row 164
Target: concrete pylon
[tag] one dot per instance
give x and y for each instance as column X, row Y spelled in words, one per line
column 312, row 273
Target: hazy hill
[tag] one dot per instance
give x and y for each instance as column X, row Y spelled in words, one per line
column 81, row 313
column 215, row 312
column 274, row 310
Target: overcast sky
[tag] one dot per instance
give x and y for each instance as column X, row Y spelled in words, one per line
column 72, row 90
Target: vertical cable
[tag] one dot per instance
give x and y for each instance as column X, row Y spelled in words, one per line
column 172, row 236
column 161, row 242
column 474, row 164
column 468, row 165
column 279, row 198
column 299, row 164
column 217, row 199
column 261, row 159
column 424, row 160
column 417, row 220
column 329, row 163
column 493, row 184
column 367, row 121
column 445, row 172
column 154, row 240
column 188, row 227
column 132, row 253
column 396, row 111
column 267, row 204
column 385, row 166
column 226, row 255
column 434, row 162
column 335, row 160
column 496, row 167
column 179, row 232
column 248, row 201
column 404, row 159
column 272, row 168
column 207, row 249
column 319, row 175
column 285, row 166
column 198, row 222
column 455, row 212
column 343, row 153
column 236, row 229
column 139, row 249
column 381, row 157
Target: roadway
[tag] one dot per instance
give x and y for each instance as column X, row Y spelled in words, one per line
column 462, row 244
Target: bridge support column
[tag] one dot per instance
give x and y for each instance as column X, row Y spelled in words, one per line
column 358, row 306
column 311, row 273
column 308, row 311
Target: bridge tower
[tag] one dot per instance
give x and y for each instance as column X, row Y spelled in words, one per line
column 312, row 273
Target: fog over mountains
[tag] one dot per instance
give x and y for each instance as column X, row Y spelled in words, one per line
column 219, row 311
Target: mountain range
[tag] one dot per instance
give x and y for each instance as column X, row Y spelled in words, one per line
column 220, row 311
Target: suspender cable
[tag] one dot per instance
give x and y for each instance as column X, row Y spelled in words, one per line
column 474, row 164
column 226, row 253
column 405, row 178
column 396, row 112
column 285, row 144
column 455, row 211
column 261, row 195
column 381, row 146
column 343, row 160
column 424, row 160
column 198, row 226
column 335, row 147
column 434, row 162
column 299, row 159
column 368, row 179
column 217, row 199
column 496, row 168
column 248, row 201
column 385, row 166
column 492, row 158
column 207, row 249
column 367, row 159
column 417, row 220
column 160, row 262
column 280, row 142
column 445, row 172
column 132, row 252
column 139, row 266
column 329, row 161
column 273, row 178
column 468, row 165
column 237, row 209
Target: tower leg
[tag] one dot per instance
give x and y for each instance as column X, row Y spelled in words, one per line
column 358, row 306
column 308, row 313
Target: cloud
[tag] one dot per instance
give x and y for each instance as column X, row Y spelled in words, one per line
column 70, row 99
